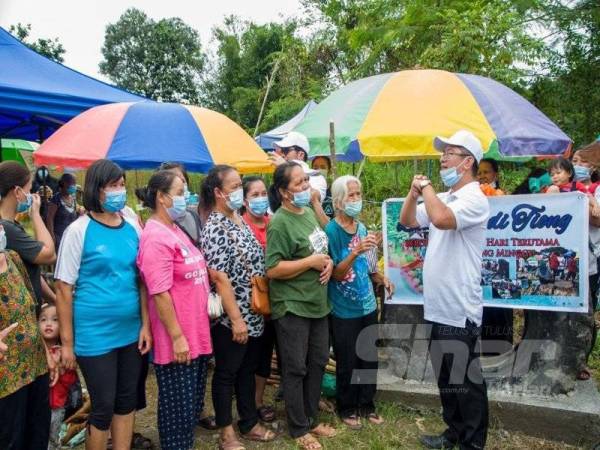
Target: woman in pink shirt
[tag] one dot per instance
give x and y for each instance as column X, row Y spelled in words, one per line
column 175, row 273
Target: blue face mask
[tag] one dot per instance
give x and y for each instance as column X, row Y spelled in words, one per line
column 582, row 173
column 353, row 209
column 24, row 206
column 114, row 201
column 236, row 199
column 177, row 211
column 193, row 201
column 258, row 206
column 72, row 190
column 450, row 176
column 301, row 199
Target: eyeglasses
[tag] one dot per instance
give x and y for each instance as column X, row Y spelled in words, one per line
column 449, row 154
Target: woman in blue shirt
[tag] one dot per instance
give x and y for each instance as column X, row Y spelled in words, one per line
column 353, row 302
column 102, row 310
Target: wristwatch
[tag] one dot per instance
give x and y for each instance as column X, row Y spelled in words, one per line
column 424, row 183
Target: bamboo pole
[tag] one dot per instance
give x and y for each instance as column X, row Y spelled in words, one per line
column 270, row 80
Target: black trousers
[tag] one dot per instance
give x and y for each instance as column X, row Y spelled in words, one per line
column 267, row 344
column 593, row 283
column 463, row 392
column 304, row 349
column 235, row 366
column 25, row 417
column 353, row 394
column 112, row 380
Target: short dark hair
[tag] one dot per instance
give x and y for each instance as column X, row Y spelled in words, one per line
column 561, row 163
column 281, row 180
column 213, row 180
column 247, row 181
column 12, row 174
column 326, row 158
column 160, row 181
column 66, row 179
column 98, row 175
column 175, row 165
column 495, row 168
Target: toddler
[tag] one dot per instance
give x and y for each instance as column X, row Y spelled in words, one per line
column 562, row 173
column 59, row 393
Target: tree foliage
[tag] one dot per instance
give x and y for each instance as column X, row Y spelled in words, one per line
column 246, row 57
column 570, row 92
column 50, row 48
column 162, row 60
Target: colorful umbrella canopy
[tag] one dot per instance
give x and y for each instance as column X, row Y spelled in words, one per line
column 144, row 134
column 18, row 150
column 395, row 116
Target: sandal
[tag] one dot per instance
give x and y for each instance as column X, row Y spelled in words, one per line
column 323, row 430
column 138, row 441
column 308, row 442
column 233, row 444
column 352, row 422
column 208, row 423
column 258, row 435
column 266, row 413
column 584, row 374
column 375, row 418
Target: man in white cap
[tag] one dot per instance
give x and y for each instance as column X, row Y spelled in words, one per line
column 294, row 146
column 451, row 286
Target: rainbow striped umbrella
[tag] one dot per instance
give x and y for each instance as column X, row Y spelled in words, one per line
column 142, row 135
column 395, row 116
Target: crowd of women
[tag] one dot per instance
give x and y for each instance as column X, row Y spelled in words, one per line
column 124, row 292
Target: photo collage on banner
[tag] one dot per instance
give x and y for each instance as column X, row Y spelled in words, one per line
column 535, row 255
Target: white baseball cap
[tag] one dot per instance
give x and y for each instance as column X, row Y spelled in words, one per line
column 294, row 139
column 461, row 138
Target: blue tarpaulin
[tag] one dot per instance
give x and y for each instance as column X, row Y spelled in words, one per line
column 38, row 95
column 265, row 140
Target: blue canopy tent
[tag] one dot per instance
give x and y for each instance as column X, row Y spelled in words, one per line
column 265, row 140
column 38, row 95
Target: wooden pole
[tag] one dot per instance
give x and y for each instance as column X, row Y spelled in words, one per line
column 332, row 149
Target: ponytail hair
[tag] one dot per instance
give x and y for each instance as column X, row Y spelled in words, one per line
column 213, row 180
column 160, row 181
column 281, row 180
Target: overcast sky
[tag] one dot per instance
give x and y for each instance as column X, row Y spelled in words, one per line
column 80, row 24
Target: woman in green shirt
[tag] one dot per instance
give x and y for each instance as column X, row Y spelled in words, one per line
column 299, row 269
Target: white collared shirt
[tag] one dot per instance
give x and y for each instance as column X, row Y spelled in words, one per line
column 452, row 269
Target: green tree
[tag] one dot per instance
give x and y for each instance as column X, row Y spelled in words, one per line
column 487, row 37
column 248, row 55
column 50, row 48
column 162, row 60
column 569, row 91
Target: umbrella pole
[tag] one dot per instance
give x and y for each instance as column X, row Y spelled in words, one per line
column 332, row 149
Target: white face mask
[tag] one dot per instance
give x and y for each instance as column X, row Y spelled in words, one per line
column 2, row 239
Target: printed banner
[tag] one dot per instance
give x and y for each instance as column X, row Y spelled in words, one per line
column 535, row 255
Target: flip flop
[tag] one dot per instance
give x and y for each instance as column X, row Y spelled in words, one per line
column 265, row 436
column 323, row 430
column 584, row 374
column 266, row 413
column 140, row 442
column 308, row 442
column 353, row 426
column 233, row 444
column 208, row 423
column 375, row 418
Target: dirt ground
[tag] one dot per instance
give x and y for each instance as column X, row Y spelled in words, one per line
column 401, row 431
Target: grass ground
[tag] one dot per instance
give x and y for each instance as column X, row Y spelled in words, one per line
column 402, row 429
